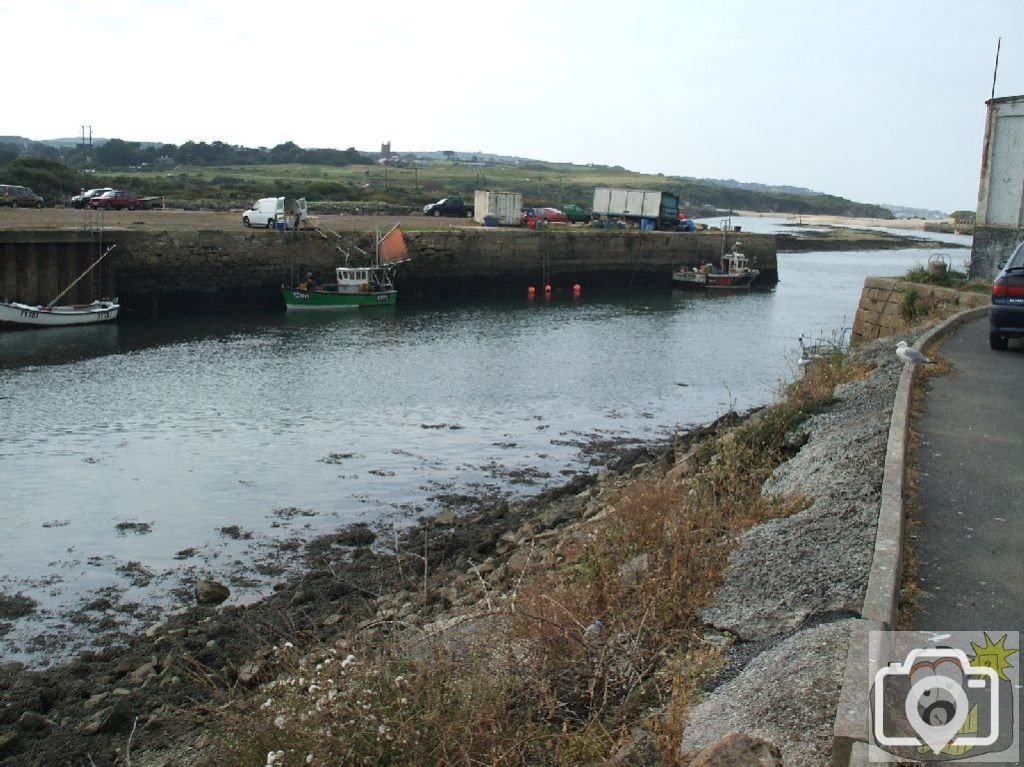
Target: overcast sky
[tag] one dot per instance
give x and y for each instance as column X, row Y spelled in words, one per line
column 879, row 101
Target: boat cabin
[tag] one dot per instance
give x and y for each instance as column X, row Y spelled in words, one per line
column 361, row 279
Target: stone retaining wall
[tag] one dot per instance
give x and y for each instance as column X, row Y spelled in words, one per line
column 889, row 306
column 212, row 269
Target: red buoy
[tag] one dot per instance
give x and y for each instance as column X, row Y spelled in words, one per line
column 576, row 288
column 531, row 290
column 547, row 288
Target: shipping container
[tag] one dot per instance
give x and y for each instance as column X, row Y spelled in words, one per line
column 504, row 208
column 636, row 204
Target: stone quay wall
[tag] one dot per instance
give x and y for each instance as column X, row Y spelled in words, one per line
column 169, row 271
column 890, row 307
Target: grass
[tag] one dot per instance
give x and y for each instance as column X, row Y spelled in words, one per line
column 596, row 651
column 947, row 278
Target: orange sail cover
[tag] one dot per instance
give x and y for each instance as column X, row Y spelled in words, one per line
column 392, row 248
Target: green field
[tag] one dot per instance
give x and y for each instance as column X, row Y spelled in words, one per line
column 402, row 187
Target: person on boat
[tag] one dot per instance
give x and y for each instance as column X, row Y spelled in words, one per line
column 308, row 282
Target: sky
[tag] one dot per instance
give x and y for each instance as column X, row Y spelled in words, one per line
column 879, row 101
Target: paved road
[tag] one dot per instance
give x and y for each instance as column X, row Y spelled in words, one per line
column 971, row 488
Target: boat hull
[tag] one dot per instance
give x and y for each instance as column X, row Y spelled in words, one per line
column 58, row 316
column 702, row 281
column 296, row 299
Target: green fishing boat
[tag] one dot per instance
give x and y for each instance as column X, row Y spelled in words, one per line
column 353, row 286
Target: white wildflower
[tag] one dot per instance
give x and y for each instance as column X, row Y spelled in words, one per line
column 268, row 703
column 279, row 722
column 309, row 758
column 349, row 660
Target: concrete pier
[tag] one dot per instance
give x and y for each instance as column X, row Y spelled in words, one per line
column 170, row 271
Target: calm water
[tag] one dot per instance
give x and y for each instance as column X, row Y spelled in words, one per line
column 289, row 426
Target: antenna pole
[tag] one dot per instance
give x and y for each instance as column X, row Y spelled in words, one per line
column 995, row 69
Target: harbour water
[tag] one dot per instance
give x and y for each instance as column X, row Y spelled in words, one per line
column 141, row 455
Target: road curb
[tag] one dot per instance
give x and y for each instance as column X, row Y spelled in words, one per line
column 881, row 598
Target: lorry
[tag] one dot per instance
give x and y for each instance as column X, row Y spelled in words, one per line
column 277, row 212
column 498, row 208
column 448, row 206
column 646, row 209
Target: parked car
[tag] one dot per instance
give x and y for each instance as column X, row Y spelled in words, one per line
column 1006, row 316
column 115, row 199
column 449, row 206
column 575, row 213
column 19, row 197
column 82, row 200
column 533, row 216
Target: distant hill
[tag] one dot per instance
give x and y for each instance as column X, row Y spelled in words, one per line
column 436, row 171
column 901, row 211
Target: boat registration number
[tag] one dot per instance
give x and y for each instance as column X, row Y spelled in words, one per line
column 29, row 313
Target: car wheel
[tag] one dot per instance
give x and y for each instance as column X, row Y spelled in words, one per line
column 997, row 342
column 131, row 206
column 436, row 213
column 245, row 221
column 469, row 214
column 270, row 223
column 14, row 203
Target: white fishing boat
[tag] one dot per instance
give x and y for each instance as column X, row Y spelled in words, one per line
column 58, row 316
column 733, row 273
column 61, row 315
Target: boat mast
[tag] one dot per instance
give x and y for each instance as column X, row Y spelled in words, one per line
column 79, row 277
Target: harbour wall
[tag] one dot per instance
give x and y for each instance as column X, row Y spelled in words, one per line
column 889, row 307
column 170, row 271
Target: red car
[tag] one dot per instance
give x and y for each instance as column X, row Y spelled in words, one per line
column 533, row 216
column 115, row 199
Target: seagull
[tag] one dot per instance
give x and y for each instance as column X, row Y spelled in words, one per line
column 911, row 355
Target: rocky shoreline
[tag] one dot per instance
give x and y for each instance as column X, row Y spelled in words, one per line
column 782, row 613
column 153, row 690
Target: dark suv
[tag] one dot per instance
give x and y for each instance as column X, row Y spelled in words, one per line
column 1006, row 315
column 115, row 199
column 19, row 197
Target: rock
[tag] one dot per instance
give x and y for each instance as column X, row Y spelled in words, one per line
column 33, row 720
column 143, row 672
column 8, row 743
column 248, row 673
column 446, row 517
column 738, row 750
column 211, row 592
column 95, row 700
column 116, row 718
column 519, row 560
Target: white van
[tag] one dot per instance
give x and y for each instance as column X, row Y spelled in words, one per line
column 273, row 210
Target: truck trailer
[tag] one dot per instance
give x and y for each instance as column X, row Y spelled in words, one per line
column 648, row 210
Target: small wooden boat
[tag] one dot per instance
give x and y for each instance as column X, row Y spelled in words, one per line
column 733, row 273
column 58, row 316
column 353, row 286
column 54, row 315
